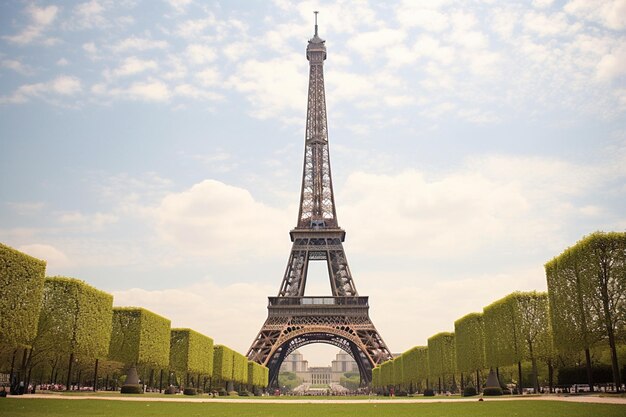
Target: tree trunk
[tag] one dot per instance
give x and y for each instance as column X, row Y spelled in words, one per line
column 478, row 381
column 589, row 370
column 161, row 382
column 28, row 380
column 535, row 376
column 69, row 372
column 12, row 368
column 439, row 385
column 519, row 371
column 462, row 383
column 151, row 382
column 95, row 377
column 550, row 376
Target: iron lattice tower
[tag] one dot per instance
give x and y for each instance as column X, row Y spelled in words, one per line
column 293, row 319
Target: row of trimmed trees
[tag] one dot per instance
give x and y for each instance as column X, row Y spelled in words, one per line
column 583, row 310
column 62, row 330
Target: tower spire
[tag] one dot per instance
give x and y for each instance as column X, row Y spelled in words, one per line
column 316, row 12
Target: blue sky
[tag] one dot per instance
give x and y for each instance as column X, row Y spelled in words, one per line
column 154, row 149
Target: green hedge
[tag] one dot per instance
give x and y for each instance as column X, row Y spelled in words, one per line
column 223, row 358
column 469, row 342
column 398, row 374
column 586, row 287
column 141, row 337
column 386, row 373
column 75, row 318
column 503, row 344
column 256, row 374
column 415, row 366
column 22, row 281
column 240, row 368
column 442, row 357
column 376, row 378
column 191, row 352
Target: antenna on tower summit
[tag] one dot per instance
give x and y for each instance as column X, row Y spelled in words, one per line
column 316, row 12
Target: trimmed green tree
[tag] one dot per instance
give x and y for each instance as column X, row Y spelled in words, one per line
column 191, row 353
column 469, row 341
column 22, row 281
column 256, row 376
column 75, row 318
column 587, row 290
column 240, row 369
column 573, row 327
column 517, row 329
column 376, row 384
column 142, row 338
column 398, row 372
column 223, row 365
column 442, row 359
column 423, row 366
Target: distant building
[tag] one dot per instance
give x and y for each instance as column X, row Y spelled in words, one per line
column 294, row 363
column 319, row 375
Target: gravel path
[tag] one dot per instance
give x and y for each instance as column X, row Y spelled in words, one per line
column 177, row 398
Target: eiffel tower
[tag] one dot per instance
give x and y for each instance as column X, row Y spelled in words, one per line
column 293, row 319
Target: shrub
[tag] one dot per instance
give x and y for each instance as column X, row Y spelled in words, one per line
column 170, row 390
column 132, row 389
column 506, row 391
column 233, row 394
column 429, row 393
column 469, row 392
column 190, row 391
column 492, row 391
column 402, row 394
column 22, row 282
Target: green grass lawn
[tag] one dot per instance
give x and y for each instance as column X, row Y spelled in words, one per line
column 100, row 408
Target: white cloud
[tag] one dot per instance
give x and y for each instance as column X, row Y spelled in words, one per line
column 131, row 66
column 88, row 15
column 424, row 15
column 549, row 25
column 493, row 202
column 542, row 4
column 16, row 66
column 179, row 5
column 273, row 93
column 63, row 85
column 55, row 259
column 27, row 208
column 612, row 65
column 91, row 49
column 41, row 18
column 191, row 91
column 194, row 28
column 369, row 44
column 209, row 77
column 149, row 91
column 135, row 43
column 62, row 62
column 87, row 222
column 218, row 221
column 610, row 13
column 200, row 54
